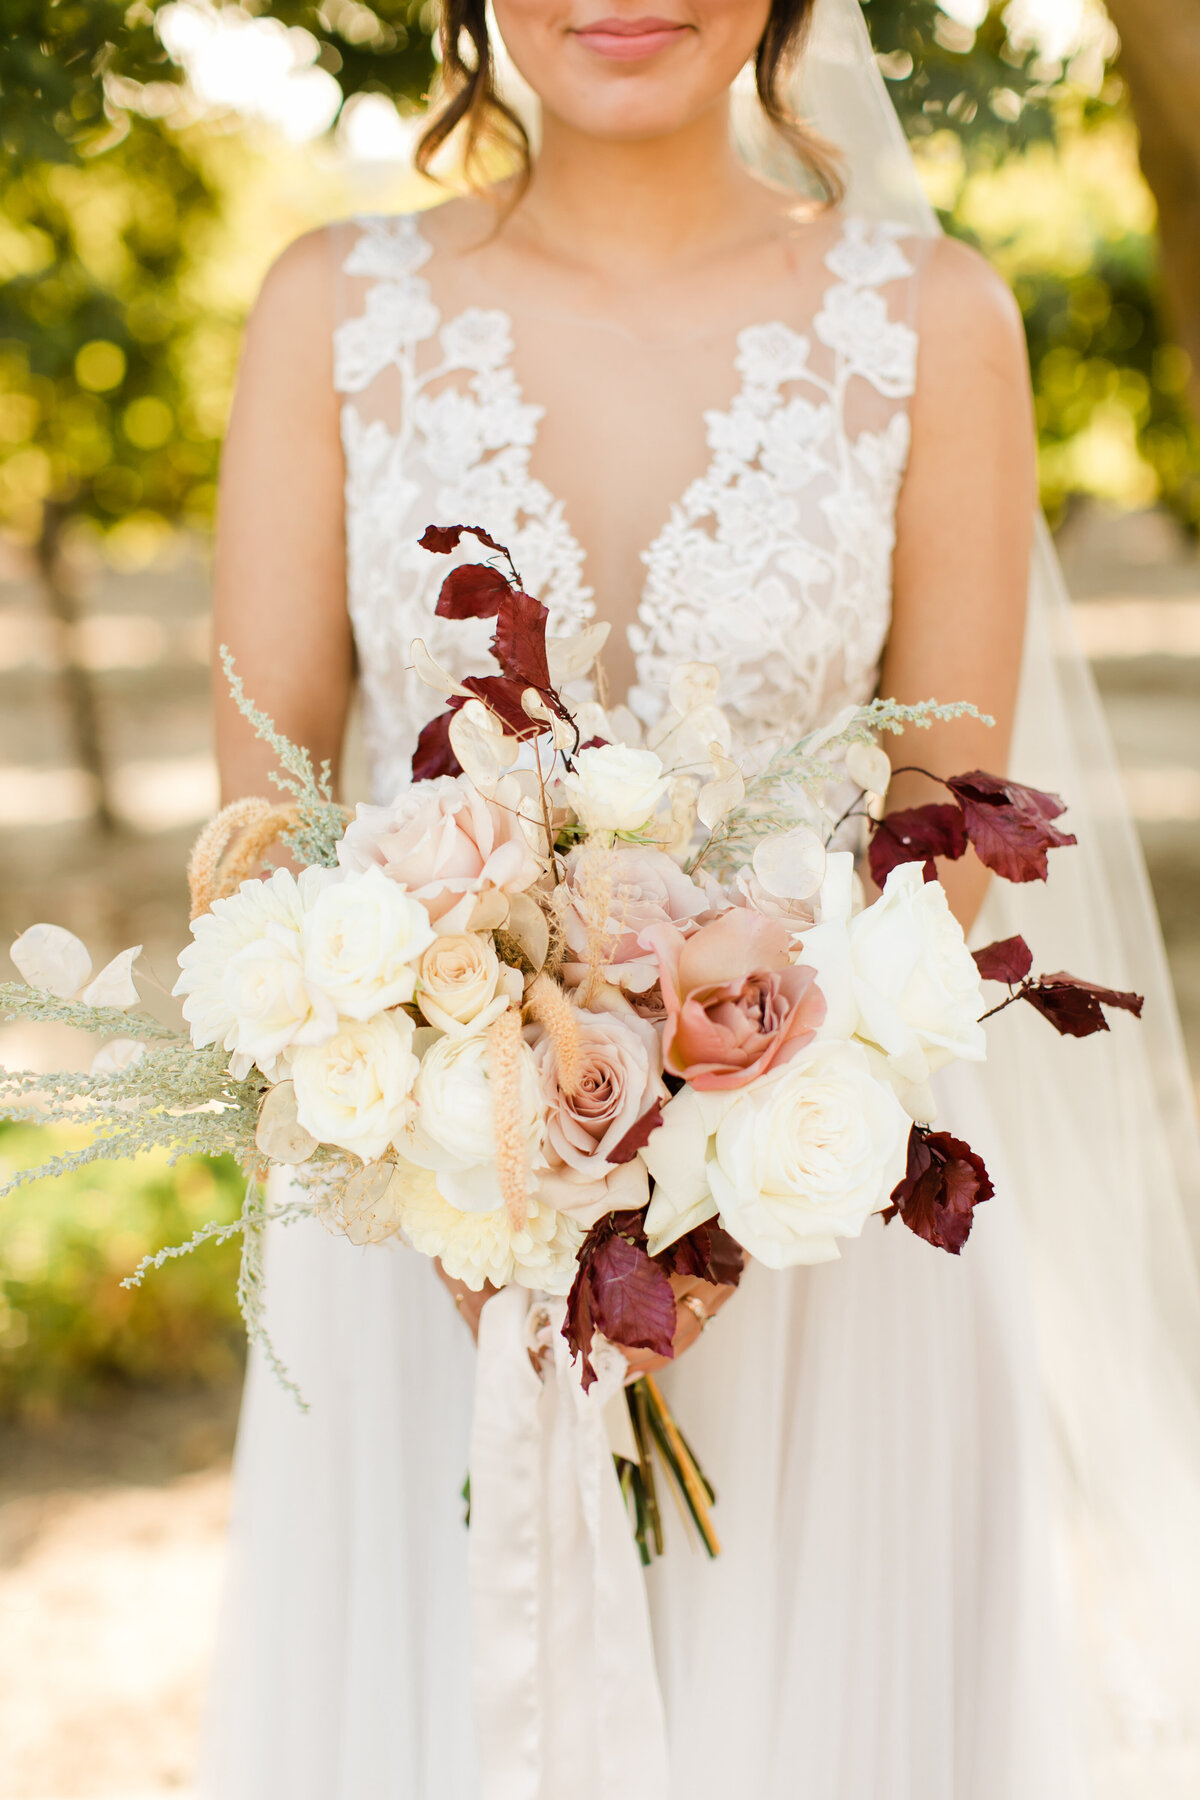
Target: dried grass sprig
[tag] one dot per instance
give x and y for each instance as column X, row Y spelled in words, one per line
column 210, row 846
column 595, row 890
column 546, row 1002
column 504, row 1072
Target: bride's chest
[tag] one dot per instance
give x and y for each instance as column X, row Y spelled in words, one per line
column 726, row 497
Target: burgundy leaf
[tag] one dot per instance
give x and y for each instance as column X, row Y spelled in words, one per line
column 596, row 743
column 638, row 1135
column 577, row 1326
column 1075, row 1008
column 444, row 538
column 434, row 755
column 917, row 835
column 944, row 1182
column 1008, row 824
column 472, row 591
column 502, row 696
column 707, row 1253
column 1008, row 959
column 632, row 1300
column 519, row 645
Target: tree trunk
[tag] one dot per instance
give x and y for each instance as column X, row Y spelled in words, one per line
column 79, row 690
column 1160, row 59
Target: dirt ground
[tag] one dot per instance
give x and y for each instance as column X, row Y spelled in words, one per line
column 111, row 1524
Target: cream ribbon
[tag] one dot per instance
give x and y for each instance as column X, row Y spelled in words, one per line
column 565, row 1688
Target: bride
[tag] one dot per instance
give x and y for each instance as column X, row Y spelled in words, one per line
column 789, row 434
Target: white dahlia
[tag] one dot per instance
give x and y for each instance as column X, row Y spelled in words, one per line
column 478, row 1247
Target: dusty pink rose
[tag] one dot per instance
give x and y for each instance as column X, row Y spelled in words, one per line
column 634, row 888
column 446, row 844
column 735, row 1005
column 619, row 1080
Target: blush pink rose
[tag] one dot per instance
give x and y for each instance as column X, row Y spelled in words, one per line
column 445, row 843
column 619, row 1080
column 635, row 888
column 735, row 1005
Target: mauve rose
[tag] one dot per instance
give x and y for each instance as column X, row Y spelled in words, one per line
column 446, row 844
column 619, row 1080
column 637, row 888
column 735, row 1005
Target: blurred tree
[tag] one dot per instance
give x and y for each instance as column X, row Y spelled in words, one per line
column 1160, row 59
column 104, row 200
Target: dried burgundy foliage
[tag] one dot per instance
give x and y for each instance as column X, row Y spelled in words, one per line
column 638, row 1135
column 596, row 743
column 1075, row 1008
column 1009, row 824
column 472, row 591
column 944, row 1182
column 434, row 754
column 917, row 835
column 1008, row 959
column 706, row 1253
column 444, row 538
column 519, row 645
column 619, row 1291
column 502, row 696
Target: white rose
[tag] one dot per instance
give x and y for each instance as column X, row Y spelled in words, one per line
column 899, row 976
column 362, row 936
column 805, row 1156
column 614, row 788
column 242, row 976
column 453, row 1132
column 462, row 985
column 355, row 1089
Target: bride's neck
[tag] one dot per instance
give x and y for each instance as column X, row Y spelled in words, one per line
column 636, row 206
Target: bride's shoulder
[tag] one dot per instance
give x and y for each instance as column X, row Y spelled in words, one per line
column 964, row 305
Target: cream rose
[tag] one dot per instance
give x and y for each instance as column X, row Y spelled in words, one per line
column 446, row 844
column 614, row 788
column 355, row 1089
column 242, row 976
column 792, row 1164
column 453, row 1132
column 462, row 985
column 807, row 1155
column 362, row 936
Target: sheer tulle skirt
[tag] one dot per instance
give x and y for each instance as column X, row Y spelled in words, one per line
column 880, row 1625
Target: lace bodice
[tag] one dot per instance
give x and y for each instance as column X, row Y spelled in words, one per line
column 775, row 564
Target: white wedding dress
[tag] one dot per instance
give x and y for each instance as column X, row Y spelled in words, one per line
column 959, row 1498
column 880, row 1625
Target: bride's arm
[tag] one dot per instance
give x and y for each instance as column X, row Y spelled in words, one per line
column 279, row 598
column 963, row 534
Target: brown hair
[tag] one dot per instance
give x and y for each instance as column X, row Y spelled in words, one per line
column 490, row 123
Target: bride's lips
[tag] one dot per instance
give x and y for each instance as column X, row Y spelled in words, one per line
column 629, row 40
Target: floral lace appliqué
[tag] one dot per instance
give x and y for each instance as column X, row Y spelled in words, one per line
column 775, row 565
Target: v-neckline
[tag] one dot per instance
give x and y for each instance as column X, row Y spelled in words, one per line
column 798, row 339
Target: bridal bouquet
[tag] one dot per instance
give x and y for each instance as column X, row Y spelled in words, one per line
column 581, row 1008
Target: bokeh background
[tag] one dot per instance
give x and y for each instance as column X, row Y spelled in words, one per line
column 153, row 159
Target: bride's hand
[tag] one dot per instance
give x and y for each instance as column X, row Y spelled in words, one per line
column 470, row 1303
column 696, row 1302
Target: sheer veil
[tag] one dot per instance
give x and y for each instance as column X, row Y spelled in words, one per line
column 1102, row 1134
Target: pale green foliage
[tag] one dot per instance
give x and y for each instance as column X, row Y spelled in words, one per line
column 801, row 776
column 322, row 820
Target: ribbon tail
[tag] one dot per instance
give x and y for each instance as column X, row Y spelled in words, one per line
column 565, row 1686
